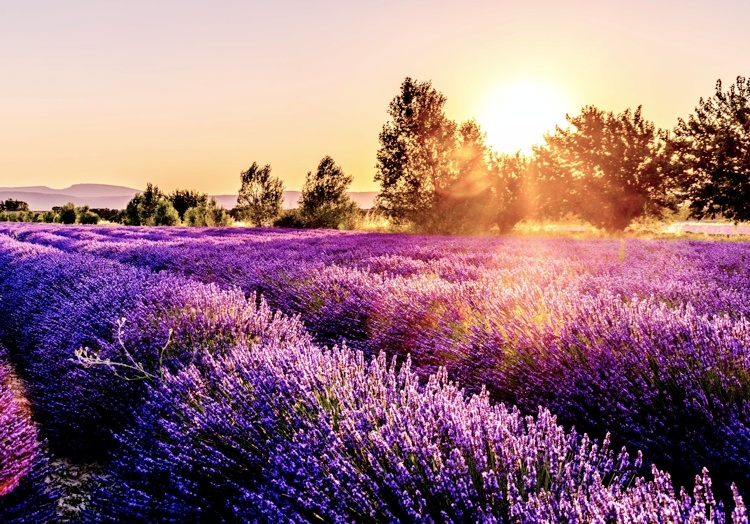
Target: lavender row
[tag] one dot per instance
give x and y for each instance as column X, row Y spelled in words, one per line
column 24, row 497
column 646, row 339
column 228, row 411
column 87, row 334
column 712, row 277
column 289, row 433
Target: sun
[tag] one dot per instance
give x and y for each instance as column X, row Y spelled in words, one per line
column 516, row 116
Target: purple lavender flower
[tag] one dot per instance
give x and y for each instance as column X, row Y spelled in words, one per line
column 24, row 496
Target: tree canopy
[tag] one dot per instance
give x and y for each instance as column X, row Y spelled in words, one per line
column 712, row 150
column 415, row 154
column 209, row 214
column 261, row 195
column 437, row 175
column 464, row 199
column 325, row 202
column 165, row 214
column 14, row 205
column 184, row 199
column 608, row 169
column 141, row 209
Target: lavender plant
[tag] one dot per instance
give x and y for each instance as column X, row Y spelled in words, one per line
column 286, row 432
column 24, row 497
column 645, row 339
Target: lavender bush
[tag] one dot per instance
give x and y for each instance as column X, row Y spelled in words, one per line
column 644, row 339
column 286, row 432
column 52, row 304
column 24, row 496
column 89, row 332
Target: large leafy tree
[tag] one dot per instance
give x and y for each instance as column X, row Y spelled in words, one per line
column 443, row 177
column 712, row 149
column 415, row 154
column 607, row 168
column 325, row 200
column 260, row 195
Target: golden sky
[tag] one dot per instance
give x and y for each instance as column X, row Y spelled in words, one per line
column 189, row 93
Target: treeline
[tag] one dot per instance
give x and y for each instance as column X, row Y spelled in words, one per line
column 606, row 168
column 440, row 176
column 182, row 206
column 18, row 211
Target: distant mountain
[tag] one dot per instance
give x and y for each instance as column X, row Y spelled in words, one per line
column 99, row 190
column 32, row 189
column 39, row 201
column 43, row 198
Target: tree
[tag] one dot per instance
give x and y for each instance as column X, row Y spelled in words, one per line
column 260, row 195
column 712, row 149
column 141, row 209
column 325, row 202
column 511, row 197
column 439, row 176
column 608, row 169
column 14, row 205
column 415, row 155
column 165, row 214
column 184, row 199
column 110, row 215
column 208, row 214
column 67, row 214
column 84, row 215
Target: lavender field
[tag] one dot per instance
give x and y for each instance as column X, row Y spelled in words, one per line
column 236, row 375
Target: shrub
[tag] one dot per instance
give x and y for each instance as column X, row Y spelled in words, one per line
column 67, row 214
column 209, row 214
column 166, row 214
column 289, row 218
column 86, row 216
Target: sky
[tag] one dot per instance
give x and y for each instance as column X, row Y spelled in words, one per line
column 187, row 94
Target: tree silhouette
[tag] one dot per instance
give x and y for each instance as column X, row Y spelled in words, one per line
column 415, row 155
column 67, row 214
column 260, row 195
column 608, row 169
column 712, row 149
column 14, row 205
column 184, row 199
column 510, row 197
column 442, row 177
column 325, row 202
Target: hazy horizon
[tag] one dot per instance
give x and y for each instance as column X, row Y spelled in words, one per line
column 189, row 95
